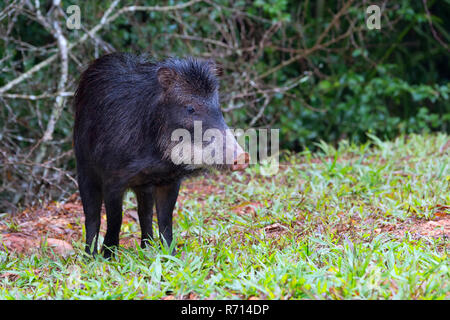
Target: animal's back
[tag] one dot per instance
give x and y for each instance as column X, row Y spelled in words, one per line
column 108, row 79
column 114, row 92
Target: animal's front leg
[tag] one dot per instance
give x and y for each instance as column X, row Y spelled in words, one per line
column 145, row 211
column 165, row 197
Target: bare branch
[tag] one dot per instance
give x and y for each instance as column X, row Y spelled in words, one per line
column 63, row 50
column 102, row 24
column 37, row 97
column 433, row 31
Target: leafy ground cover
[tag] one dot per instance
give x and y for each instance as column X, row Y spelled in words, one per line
column 364, row 221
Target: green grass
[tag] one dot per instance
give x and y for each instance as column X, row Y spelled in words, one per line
column 330, row 213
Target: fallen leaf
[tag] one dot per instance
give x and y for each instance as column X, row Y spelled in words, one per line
column 274, row 228
column 72, row 206
column 10, row 276
column 440, row 214
column 18, row 242
column 58, row 246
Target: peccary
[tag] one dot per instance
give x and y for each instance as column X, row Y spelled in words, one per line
column 126, row 111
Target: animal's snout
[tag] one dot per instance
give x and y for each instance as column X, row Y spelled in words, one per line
column 241, row 162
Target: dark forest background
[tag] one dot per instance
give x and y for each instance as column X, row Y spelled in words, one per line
column 313, row 69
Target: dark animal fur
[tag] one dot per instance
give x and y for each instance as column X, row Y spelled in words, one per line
column 125, row 110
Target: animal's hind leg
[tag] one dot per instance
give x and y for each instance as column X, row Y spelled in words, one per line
column 113, row 206
column 91, row 197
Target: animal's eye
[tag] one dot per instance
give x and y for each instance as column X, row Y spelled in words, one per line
column 190, row 109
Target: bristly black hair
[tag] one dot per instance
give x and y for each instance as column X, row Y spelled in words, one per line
column 198, row 74
column 116, row 102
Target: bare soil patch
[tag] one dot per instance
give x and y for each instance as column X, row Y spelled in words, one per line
column 58, row 225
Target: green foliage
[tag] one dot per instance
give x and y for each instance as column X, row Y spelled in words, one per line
column 350, row 105
column 355, row 81
column 345, row 219
column 390, row 82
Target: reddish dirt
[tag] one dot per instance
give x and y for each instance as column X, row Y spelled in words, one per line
column 434, row 228
column 58, row 225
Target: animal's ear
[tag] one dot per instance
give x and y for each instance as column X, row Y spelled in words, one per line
column 166, row 77
column 216, row 68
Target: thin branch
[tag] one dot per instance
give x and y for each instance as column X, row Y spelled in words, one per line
column 101, row 25
column 59, row 104
column 37, row 97
column 318, row 45
column 433, row 31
